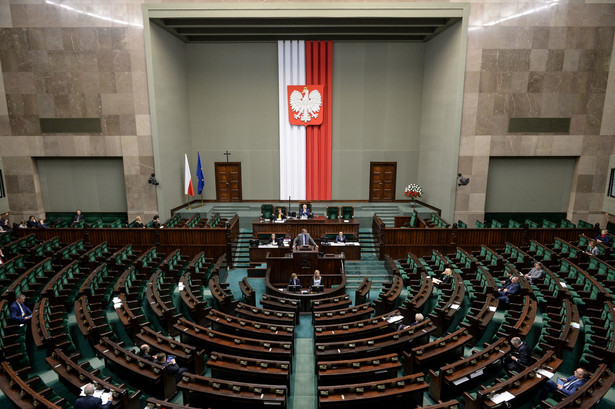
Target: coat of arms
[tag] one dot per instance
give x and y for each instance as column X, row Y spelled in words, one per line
column 304, row 104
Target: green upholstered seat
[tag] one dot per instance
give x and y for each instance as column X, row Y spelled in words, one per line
column 266, row 211
column 347, row 212
column 333, row 212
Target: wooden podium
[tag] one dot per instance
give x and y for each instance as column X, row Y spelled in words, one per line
column 305, row 260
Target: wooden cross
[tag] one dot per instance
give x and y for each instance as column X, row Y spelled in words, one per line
column 227, row 153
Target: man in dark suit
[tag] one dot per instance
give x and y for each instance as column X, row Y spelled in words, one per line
column 304, row 212
column 4, row 223
column 31, row 222
column 567, row 386
column 20, row 312
column 304, row 239
column 521, row 355
column 510, row 289
column 89, row 401
column 144, row 352
column 170, row 366
column 340, row 238
column 79, row 217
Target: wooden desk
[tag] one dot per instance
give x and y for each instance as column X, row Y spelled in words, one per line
column 350, row 250
column 260, row 253
column 318, row 226
column 304, row 263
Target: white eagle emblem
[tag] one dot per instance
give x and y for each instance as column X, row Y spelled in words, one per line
column 305, row 106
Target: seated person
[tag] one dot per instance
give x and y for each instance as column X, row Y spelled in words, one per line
column 506, row 282
column 317, row 279
column 521, row 355
column 272, row 240
column 535, row 273
column 89, row 401
column 304, row 212
column 20, row 313
column 138, row 224
column 340, row 238
column 31, row 222
column 304, row 239
column 79, row 217
column 156, row 222
column 294, row 280
column 592, row 249
column 144, row 352
column 418, row 317
column 41, row 224
column 171, row 366
column 604, row 238
column 510, row 289
column 4, row 223
column 567, row 386
column 447, row 276
column 279, row 215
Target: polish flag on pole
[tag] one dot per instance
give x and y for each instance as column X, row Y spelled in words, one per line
column 188, row 180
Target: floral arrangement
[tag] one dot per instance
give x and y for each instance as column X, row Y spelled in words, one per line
column 413, row 191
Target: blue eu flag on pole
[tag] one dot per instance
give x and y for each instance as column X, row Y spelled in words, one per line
column 200, row 176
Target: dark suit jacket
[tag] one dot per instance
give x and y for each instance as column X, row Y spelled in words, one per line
column 78, row 218
column 16, row 312
column 299, row 240
column 340, row 240
column 523, row 354
column 306, row 213
column 294, row 282
column 512, row 288
column 90, row 402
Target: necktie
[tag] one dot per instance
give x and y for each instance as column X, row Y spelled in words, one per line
column 567, row 385
column 304, row 241
column 22, row 311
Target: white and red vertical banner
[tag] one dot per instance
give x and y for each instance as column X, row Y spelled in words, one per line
column 305, row 91
column 291, row 71
column 319, row 70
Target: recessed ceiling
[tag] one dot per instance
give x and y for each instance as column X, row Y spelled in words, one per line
column 203, row 29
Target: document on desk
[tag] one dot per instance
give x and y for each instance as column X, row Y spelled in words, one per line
column 394, row 319
column 461, row 380
column 502, row 397
column 545, row 373
column 476, row 373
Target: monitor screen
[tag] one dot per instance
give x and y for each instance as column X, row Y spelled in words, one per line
column 318, row 288
column 294, row 288
column 280, row 241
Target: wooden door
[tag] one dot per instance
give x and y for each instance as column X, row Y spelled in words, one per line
column 228, row 181
column 382, row 179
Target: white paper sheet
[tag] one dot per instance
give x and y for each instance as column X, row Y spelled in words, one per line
column 502, row 397
column 461, row 380
column 545, row 373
